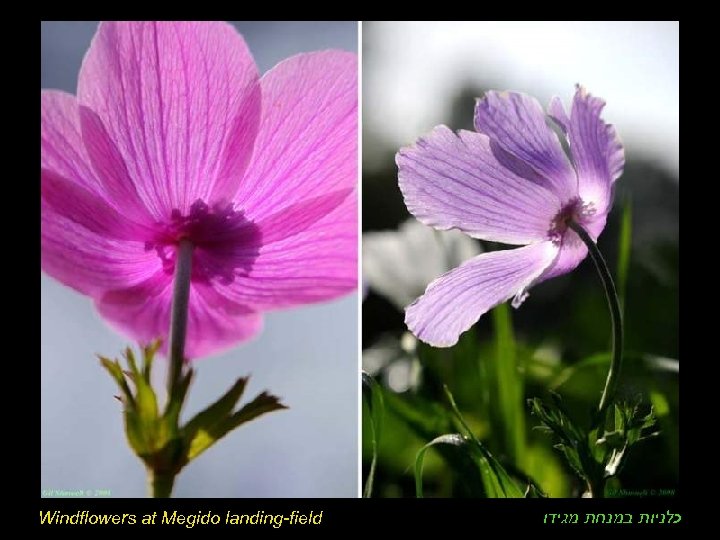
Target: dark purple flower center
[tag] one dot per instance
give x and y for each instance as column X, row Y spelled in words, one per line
column 575, row 210
column 225, row 243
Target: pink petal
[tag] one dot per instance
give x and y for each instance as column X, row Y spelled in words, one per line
column 71, row 139
column 181, row 102
column 307, row 142
column 453, row 180
column 62, row 148
column 456, row 300
column 89, row 262
column 516, row 122
column 595, row 147
column 143, row 313
column 317, row 264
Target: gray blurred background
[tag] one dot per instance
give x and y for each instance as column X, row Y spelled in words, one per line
column 308, row 356
column 415, row 73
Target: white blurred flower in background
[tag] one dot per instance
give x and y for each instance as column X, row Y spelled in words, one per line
column 398, row 265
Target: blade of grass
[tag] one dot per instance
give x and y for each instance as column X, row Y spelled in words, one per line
column 495, row 478
column 507, row 413
column 624, row 248
column 454, row 439
column 374, row 400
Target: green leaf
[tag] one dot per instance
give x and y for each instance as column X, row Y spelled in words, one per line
column 175, row 404
column 263, row 403
column 148, row 356
column 507, row 414
column 217, row 412
column 427, row 420
column 374, row 400
column 454, row 439
column 496, row 480
column 116, row 372
column 203, row 437
column 624, row 249
column 571, row 441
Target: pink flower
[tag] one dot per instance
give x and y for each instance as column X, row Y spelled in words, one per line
column 173, row 135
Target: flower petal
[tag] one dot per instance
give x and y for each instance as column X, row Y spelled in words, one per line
column 62, row 148
column 453, row 180
column 573, row 249
column 67, row 154
column 456, row 300
column 317, row 264
column 143, row 313
column 516, row 122
column 595, row 147
column 399, row 264
column 307, row 142
column 181, row 102
column 87, row 209
column 89, row 262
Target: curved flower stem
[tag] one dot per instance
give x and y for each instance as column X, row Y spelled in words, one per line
column 179, row 313
column 615, row 316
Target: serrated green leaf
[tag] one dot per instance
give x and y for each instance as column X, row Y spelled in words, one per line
column 113, row 367
column 203, row 438
column 571, row 441
column 217, row 412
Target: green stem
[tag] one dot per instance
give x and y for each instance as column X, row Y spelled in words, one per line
column 615, row 315
column 160, row 482
column 160, row 485
column 179, row 313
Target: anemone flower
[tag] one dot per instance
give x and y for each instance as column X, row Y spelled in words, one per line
column 509, row 182
column 174, row 144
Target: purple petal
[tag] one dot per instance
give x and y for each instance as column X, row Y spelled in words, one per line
column 453, row 180
column 307, row 142
column 595, row 147
column 516, row 122
column 456, row 300
column 317, row 264
column 181, row 102
column 89, row 262
column 143, row 313
column 573, row 249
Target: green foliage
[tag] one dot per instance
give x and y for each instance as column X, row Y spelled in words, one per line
column 507, row 415
column 624, row 250
column 597, row 454
column 157, row 437
column 372, row 394
column 496, row 482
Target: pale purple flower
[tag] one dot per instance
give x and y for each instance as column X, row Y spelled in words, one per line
column 510, row 182
column 173, row 134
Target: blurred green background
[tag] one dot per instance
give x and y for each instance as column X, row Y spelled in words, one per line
column 422, row 74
